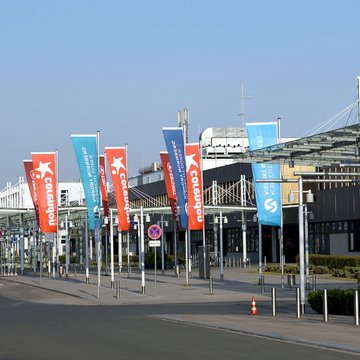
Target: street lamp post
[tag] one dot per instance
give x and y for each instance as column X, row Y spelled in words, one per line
column 140, row 227
column 220, row 220
column 162, row 223
column 112, row 248
column 303, row 245
column 66, row 224
column 142, row 250
column 308, row 215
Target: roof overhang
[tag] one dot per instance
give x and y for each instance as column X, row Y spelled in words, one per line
column 333, row 148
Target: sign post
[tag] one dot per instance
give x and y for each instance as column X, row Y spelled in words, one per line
column 154, row 233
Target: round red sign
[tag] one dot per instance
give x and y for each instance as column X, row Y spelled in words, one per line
column 154, row 232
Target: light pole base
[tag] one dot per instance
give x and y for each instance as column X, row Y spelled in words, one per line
column 87, row 280
column 143, row 290
column 112, row 284
column 302, row 307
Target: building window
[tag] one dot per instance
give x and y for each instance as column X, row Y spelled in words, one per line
column 64, row 198
column 354, row 242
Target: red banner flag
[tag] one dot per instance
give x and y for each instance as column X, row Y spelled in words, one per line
column 44, row 169
column 103, row 187
column 116, row 158
column 30, row 177
column 195, row 187
column 170, row 185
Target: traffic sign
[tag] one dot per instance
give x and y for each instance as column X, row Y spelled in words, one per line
column 154, row 243
column 154, row 232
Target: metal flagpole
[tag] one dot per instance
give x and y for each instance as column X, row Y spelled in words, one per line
column 186, row 259
column 260, row 254
column 106, row 250
column 49, row 259
column 307, row 270
column 162, row 245
column 221, row 246
column 56, row 236
column 183, row 122
column 203, row 211
column 41, row 254
column 67, row 246
column 189, row 239
column 243, row 219
column 175, row 246
column 142, row 250
column 281, row 233
column 97, row 225
column 22, row 247
column 128, row 252
column 34, row 236
column 112, row 248
column 301, row 246
column 86, row 248
column 281, row 238
column 120, row 241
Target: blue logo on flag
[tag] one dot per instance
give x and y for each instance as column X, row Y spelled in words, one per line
column 268, row 195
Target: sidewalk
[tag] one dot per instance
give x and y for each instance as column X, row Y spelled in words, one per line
column 238, row 287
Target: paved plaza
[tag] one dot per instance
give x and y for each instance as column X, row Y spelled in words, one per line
column 238, row 287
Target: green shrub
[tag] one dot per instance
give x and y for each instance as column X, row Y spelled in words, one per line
column 288, row 269
column 291, row 269
column 338, row 273
column 352, row 271
column 334, row 262
column 340, row 302
column 272, row 268
column 320, row 270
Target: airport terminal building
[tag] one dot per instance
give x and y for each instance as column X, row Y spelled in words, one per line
column 332, row 220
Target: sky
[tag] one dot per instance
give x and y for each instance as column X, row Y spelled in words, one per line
column 125, row 68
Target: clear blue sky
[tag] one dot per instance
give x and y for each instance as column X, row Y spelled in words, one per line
column 126, row 67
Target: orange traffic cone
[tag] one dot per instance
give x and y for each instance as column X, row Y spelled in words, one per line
column 253, row 306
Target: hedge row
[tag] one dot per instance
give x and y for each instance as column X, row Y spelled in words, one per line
column 332, row 261
column 288, row 269
column 340, row 302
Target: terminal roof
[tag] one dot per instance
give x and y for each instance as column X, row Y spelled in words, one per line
column 332, row 148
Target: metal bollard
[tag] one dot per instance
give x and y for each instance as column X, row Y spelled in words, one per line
column 273, row 300
column 211, row 289
column 298, row 307
column 325, row 306
column 118, row 289
column 356, row 308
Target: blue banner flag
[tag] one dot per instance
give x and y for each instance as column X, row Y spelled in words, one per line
column 86, row 151
column 174, row 140
column 268, row 195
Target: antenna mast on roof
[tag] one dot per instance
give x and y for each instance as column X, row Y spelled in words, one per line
column 184, row 121
column 358, row 98
column 242, row 114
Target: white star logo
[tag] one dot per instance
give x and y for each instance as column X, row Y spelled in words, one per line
column 190, row 161
column 44, row 168
column 117, row 164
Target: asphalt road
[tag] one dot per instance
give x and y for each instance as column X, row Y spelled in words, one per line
column 50, row 325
